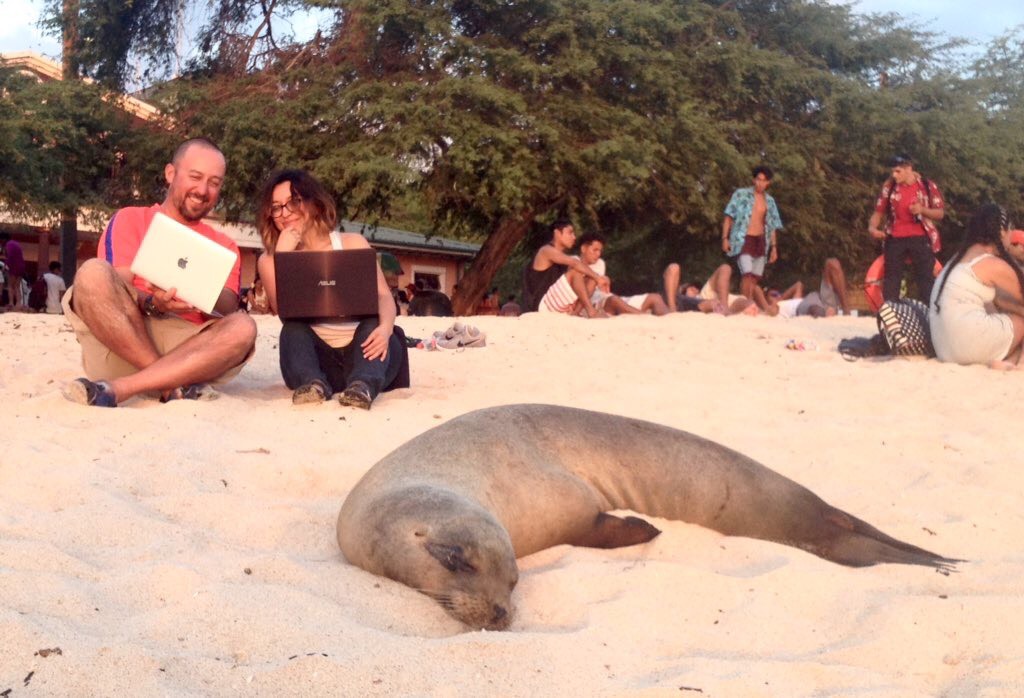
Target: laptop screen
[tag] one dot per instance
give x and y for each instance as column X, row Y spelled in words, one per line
column 326, row 284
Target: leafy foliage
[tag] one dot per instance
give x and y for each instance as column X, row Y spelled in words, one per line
column 485, row 119
column 66, row 145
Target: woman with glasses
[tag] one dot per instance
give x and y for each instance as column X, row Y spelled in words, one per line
column 977, row 303
column 352, row 360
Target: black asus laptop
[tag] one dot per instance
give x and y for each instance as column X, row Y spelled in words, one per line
column 326, row 284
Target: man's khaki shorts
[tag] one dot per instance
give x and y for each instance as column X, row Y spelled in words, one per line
column 167, row 333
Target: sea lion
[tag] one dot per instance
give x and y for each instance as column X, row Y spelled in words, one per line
column 449, row 511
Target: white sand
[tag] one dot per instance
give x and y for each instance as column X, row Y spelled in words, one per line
column 188, row 548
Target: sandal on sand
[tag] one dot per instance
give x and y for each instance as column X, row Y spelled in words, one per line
column 87, row 392
column 312, row 393
column 357, row 394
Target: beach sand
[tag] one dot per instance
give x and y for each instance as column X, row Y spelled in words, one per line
column 189, row 548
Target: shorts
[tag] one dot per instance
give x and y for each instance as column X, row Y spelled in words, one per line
column 708, row 294
column 828, row 295
column 688, row 304
column 636, row 301
column 823, row 299
column 167, row 333
column 598, row 299
column 751, row 266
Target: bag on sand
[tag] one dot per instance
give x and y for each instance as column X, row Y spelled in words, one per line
column 904, row 324
column 853, row 348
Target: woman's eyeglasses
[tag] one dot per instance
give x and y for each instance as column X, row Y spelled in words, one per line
column 292, row 205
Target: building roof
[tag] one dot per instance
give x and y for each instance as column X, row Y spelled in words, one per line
column 44, row 68
column 403, row 240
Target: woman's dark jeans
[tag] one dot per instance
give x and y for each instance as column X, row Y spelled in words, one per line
column 305, row 358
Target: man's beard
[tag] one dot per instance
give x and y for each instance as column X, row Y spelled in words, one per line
column 194, row 216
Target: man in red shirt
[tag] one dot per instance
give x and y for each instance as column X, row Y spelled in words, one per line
column 137, row 338
column 911, row 205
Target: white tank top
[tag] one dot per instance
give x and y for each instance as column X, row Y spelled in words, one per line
column 336, row 334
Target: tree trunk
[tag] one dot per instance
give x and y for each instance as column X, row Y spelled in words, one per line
column 69, row 71
column 492, row 255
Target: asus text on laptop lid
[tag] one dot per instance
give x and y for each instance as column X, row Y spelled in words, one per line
column 326, row 284
column 172, row 255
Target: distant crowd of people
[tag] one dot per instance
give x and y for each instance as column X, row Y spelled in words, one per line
column 139, row 338
column 18, row 291
column 559, row 282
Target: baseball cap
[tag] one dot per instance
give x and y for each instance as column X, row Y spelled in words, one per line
column 1017, row 237
column 901, row 159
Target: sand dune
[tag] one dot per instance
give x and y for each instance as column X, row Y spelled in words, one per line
column 188, row 548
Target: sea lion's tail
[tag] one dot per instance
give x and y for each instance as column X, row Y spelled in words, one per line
column 859, row 544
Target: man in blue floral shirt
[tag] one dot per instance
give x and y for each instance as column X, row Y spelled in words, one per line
column 749, row 229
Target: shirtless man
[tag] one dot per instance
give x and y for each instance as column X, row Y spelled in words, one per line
column 749, row 229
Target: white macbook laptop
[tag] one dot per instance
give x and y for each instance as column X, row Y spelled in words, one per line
column 172, row 255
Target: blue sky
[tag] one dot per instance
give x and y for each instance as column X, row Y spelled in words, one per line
column 979, row 20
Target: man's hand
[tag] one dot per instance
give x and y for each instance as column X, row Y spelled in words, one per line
column 726, row 246
column 166, row 302
column 917, row 208
column 773, row 256
column 376, row 345
column 876, row 233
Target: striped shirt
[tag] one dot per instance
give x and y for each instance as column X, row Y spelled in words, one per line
column 560, row 297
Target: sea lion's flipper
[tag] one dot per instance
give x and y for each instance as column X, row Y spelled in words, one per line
column 615, row 532
column 856, row 543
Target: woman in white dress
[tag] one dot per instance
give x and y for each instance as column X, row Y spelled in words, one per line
column 976, row 314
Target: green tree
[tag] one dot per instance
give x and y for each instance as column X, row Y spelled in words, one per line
column 485, row 119
column 68, row 147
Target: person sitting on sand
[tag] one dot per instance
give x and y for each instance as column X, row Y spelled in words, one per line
column 257, row 302
column 353, row 360
column 591, row 251
column 980, row 280
column 430, row 304
column 137, row 338
column 707, row 299
column 510, row 307
column 555, row 282
column 825, row 302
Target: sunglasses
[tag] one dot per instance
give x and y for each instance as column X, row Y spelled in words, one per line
column 292, row 205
